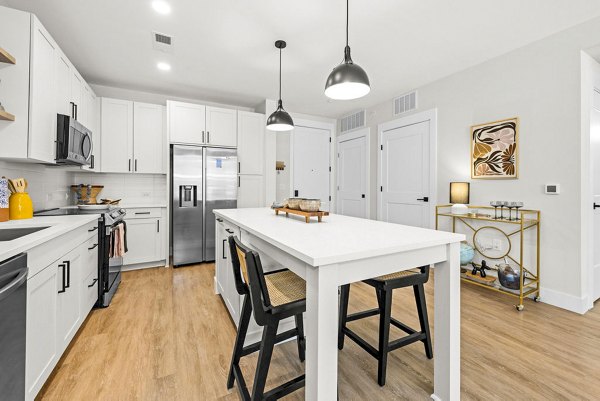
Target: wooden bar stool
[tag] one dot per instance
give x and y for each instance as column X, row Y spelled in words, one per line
column 384, row 286
column 273, row 296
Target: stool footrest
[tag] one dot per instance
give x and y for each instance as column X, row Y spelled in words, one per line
column 241, row 383
column 286, row 335
column 402, row 326
column 362, row 315
column 285, row 389
column 362, row 343
column 401, row 342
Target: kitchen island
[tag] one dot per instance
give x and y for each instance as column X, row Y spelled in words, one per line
column 343, row 250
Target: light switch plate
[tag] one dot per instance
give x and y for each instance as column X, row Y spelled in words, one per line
column 552, row 189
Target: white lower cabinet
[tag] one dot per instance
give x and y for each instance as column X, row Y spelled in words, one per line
column 41, row 355
column 225, row 280
column 59, row 299
column 146, row 237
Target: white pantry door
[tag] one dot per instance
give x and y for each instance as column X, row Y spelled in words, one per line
column 310, row 147
column 595, row 141
column 404, row 172
column 352, row 175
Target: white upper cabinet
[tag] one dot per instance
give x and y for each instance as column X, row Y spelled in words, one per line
column 117, row 135
column 92, row 122
column 251, row 142
column 63, row 85
column 42, row 95
column 187, row 122
column 221, row 126
column 132, row 136
column 195, row 124
column 148, row 138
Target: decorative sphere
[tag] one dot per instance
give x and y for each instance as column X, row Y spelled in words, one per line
column 467, row 253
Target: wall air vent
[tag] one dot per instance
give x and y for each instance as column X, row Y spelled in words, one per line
column 162, row 42
column 405, row 103
column 353, row 121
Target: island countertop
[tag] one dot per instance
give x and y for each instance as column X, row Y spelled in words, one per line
column 335, row 240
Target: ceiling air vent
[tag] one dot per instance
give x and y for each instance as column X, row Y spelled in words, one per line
column 353, row 121
column 162, row 42
column 405, row 103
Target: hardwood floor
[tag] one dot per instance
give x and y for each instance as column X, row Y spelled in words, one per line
column 168, row 337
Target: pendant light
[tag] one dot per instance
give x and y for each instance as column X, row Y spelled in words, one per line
column 280, row 120
column 347, row 80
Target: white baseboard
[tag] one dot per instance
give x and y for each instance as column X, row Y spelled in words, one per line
column 564, row 301
column 149, row 265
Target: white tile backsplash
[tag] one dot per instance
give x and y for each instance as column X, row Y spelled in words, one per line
column 135, row 189
column 48, row 186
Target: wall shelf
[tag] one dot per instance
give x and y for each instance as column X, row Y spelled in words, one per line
column 6, row 57
column 6, row 116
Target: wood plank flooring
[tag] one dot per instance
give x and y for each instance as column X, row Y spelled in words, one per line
column 166, row 336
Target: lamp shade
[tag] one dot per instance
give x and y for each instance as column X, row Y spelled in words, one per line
column 280, row 120
column 459, row 192
column 347, row 81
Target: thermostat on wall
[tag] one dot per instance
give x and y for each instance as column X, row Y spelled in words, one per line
column 552, row 189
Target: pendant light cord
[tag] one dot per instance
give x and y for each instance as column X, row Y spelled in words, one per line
column 280, row 75
column 347, row 19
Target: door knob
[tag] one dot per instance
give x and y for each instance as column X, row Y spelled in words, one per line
column 424, row 199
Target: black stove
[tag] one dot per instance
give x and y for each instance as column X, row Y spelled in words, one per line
column 109, row 268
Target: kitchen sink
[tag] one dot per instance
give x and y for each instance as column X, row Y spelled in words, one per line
column 9, row 234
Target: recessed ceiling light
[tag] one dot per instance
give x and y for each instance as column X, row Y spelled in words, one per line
column 163, row 66
column 161, row 7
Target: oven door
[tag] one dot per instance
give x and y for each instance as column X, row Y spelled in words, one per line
column 111, row 268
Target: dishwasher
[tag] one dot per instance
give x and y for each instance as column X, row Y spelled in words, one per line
column 13, row 312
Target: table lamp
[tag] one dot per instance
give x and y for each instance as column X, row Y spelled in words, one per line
column 459, row 197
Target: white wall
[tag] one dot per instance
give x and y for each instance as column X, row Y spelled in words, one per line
column 539, row 83
column 283, row 176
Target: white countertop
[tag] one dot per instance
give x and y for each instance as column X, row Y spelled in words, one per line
column 140, row 205
column 58, row 225
column 337, row 239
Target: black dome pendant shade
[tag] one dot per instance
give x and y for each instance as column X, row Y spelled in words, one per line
column 347, row 80
column 280, row 120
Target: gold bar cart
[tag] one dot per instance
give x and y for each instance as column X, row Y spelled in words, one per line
column 525, row 220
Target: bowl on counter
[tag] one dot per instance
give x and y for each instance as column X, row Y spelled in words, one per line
column 294, row 203
column 310, row 205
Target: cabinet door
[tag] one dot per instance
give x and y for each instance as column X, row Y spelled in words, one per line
column 68, row 284
column 220, row 257
column 88, row 294
column 221, row 126
column 42, row 99
column 77, row 96
column 144, row 241
column 250, row 191
column 148, row 138
column 63, row 85
column 90, row 101
column 251, row 142
column 41, row 337
column 116, row 135
column 187, row 122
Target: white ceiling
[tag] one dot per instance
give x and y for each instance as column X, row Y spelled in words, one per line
column 223, row 49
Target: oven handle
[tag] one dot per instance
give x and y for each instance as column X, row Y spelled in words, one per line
column 14, row 284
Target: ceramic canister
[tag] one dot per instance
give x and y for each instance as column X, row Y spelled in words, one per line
column 4, row 195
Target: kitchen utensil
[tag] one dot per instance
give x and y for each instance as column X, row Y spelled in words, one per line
column 109, row 201
column 19, row 185
column 310, row 205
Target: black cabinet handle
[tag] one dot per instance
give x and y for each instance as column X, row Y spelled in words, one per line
column 596, row 205
column 229, row 231
column 72, row 109
column 239, row 167
column 68, row 263
column 224, row 241
column 63, row 279
column 239, row 181
column 207, row 136
column 129, row 167
column 220, row 220
column 93, row 283
column 76, row 111
column 93, row 229
column 135, row 165
column 363, row 196
column 142, row 212
column 424, row 199
column 202, row 136
column 92, row 247
column 157, row 226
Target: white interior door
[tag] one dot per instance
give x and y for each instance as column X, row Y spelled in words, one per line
column 352, row 176
column 310, row 147
column 404, row 172
column 595, row 141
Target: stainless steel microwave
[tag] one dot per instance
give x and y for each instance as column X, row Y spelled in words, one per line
column 73, row 141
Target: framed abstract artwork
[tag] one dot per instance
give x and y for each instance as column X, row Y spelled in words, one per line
column 495, row 149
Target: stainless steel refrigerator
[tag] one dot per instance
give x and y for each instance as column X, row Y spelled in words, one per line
column 204, row 179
